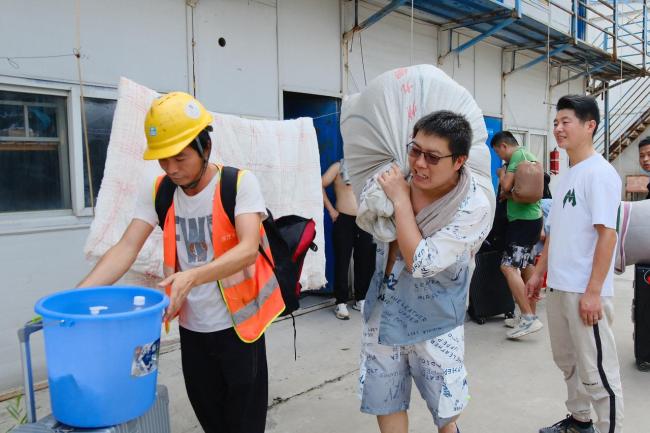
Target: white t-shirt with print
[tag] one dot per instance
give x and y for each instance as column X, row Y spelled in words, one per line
column 588, row 194
column 204, row 310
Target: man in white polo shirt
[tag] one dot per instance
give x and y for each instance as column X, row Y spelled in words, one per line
column 579, row 256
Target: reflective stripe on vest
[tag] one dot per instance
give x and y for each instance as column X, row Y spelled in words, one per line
column 252, row 295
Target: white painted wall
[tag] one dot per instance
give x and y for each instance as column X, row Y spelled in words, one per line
column 242, row 77
column 309, row 46
column 539, row 9
column 627, row 163
column 143, row 40
column 488, row 91
column 525, row 102
column 386, row 45
column 33, row 265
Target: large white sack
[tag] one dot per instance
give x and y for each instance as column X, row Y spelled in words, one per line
column 283, row 155
column 634, row 234
column 377, row 123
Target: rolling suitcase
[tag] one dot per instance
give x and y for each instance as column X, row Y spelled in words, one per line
column 489, row 294
column 155, row 420
column 641, row 316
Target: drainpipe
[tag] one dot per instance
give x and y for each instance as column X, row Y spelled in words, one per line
column 645, row 35
column 615, row 28
column 606, row 126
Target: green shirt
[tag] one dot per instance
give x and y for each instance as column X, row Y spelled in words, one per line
column 522, row 211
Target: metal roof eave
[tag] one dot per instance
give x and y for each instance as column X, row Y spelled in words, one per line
column 492, row 19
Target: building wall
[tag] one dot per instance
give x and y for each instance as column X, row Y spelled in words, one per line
column 627, row 163
column 34, row 265
column 309, row 46
column 118, row 38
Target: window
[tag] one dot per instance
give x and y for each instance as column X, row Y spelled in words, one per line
column 34, row 163
column 538, row 147
column 534, row 141
column 520, row 136
column 99, row 119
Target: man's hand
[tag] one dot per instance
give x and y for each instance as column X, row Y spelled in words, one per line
column 591, row 310
column 534, row 286
column 394, row 185
column 334, row 214
column 181, row 284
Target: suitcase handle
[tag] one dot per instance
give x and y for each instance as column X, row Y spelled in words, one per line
column 26, row 358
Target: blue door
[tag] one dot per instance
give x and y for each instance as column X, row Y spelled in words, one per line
column 493, row 125
column 325, row 112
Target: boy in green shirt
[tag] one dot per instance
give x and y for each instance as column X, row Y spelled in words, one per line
column 522, row 233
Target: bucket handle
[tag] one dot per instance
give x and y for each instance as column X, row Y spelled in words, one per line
column 61, row 322
column 24, row 333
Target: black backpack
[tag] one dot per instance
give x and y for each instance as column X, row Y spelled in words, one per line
column 289, row 236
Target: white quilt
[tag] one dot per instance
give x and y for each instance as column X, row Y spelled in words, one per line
column 282, row 154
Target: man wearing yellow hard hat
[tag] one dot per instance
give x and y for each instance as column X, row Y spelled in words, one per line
column 224, row 302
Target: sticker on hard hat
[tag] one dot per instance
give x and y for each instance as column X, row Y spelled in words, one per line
column 192, row 110
column 153, row 131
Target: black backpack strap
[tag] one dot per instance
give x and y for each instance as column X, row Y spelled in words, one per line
column 164, row 199
column 228, row 185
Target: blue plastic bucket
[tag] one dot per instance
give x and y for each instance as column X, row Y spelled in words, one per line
column 102, row 368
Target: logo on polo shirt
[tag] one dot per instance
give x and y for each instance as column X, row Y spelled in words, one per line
column 569, row 197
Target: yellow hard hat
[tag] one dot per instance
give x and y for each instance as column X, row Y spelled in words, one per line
column 172, row 122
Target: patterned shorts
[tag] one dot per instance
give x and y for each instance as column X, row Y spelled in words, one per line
column 518, row 256
column 436, row 366
column 521, row 237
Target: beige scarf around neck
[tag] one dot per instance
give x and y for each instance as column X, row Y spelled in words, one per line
column 440, row 213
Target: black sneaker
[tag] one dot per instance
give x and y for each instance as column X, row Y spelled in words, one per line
column 568, row 425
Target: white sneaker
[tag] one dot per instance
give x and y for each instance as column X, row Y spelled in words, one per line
column 511, row 322
column 341, row 312
column 358, row 305
column 527, row 325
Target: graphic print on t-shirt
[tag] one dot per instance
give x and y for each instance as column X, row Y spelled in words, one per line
column 570, row 197
column 195, row 235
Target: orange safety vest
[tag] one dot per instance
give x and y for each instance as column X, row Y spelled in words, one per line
column 252, row 295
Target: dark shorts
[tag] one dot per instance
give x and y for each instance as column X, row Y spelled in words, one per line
column 521, row 237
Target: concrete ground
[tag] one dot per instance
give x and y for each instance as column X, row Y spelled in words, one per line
column 515, row 386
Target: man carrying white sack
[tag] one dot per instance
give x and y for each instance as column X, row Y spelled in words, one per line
column 415, row 306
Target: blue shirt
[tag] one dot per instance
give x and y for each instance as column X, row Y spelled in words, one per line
column 431, row 300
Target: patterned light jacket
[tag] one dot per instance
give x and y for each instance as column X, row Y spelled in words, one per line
column 431, row 300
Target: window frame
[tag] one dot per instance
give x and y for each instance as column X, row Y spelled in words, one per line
column 94, row 94
column 78, row 215
column 527, row 132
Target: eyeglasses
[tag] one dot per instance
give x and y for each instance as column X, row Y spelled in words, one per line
column 430, row 158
